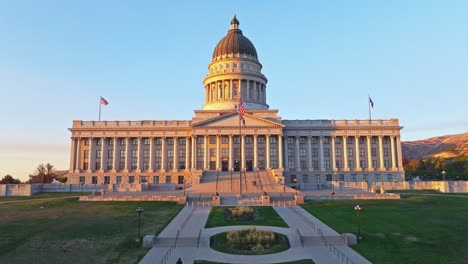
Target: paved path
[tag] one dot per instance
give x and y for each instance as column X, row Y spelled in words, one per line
column 193, row 244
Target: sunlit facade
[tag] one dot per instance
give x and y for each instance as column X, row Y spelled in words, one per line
column 178, row 151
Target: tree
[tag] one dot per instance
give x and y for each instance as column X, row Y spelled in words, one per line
column 45, row 173
column 8, row 179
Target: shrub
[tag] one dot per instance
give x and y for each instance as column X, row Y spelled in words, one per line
column 251, row 239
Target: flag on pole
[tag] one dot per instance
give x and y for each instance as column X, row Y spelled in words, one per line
column 104, row 101
column 371, row 102
column 242, row 112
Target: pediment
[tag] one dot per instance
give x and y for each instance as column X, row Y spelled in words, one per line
column 232, row 120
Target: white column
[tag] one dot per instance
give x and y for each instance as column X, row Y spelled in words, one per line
column 369, row 154
column 298, row 157
column 194, row 152
column 175, row 166
column 139, row 157
column 72, row 155
column 392, row 150
column 78, row 155
column 381, row 154
column 322, row 167
column 400, row 157
column 218, row 152
column 345, row 153
column 248, row 90
column 286, row 153
column 243, row 152
column 231, row 157
column 151, row 154
column 187, row 153
column 127, row 154
column 231, row 89
column 103, row 149
column 114, row 155
column 205, row 154
column 255, row 160
column 267, row 154
column 280, row 151
column 333, row 153
column 356, row 146
column 163, row 153
column 309, row 154
column 91, row 158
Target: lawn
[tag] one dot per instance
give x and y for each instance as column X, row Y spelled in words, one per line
column 42, row 196
column 406, row 192
column 69, row 231
column 416, row 229
column 270, row 218
column 302, row 261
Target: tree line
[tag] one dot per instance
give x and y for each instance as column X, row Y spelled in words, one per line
column 431, row 168
column 44, row 173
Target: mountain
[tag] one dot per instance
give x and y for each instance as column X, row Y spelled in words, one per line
column 444, row 146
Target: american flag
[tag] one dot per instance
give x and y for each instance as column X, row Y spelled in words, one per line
column 242, row 111
column 104, row 101
column 371, row 102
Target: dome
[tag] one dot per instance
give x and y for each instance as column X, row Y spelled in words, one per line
column 234, row 42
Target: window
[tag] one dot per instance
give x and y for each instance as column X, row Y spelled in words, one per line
column 99, row 142
column 373, row 140
column 170, row 153
column 377, row 177
column 302, row 140
column 170, row 165
column 261, row 152
column 87, row 142
column 349, row 140
column 273, row 140
column 248, row 139
column 315, row 164
column 249, row 152
column 199, row 165
column 110, row 154
column 146, row 141
column 361, row 152
column 212, row 152
column 145, row 166
column 134, row 141
column 291, row 152
column 303, row 165
column 274, row 164
column 225, row 152
column 158, row 165
column 327, row 164
column 290, row 140
column 134, row 153
column 326, row 140
column 82, row 179
column 273, row 152
column 181, row 152
column 261, row 139
column 338, row 140
column 86, row 154
column 180, row 179
column 98, row 165
column 329, row 177
column 182, row 141
column 134, row 165
column 106, row 179
column 170, row 141
column 374, row 152
column 339, row 164
column 235, row 139
column 338, row 152
column 386, row 140
column 94, row 179
column 212, row 140
column 374, row 163
column 158, row 153
column 389, row 177
column 314, row 152
column 199, row 140
column 156, row 179
column 353, row 178
column 122, row 142
column 341, row 177
column 292, row 178
column 225, row 140
column 261, row 164
column 291, row 164
column 386, row 164
column 366, row 177
column 85, row 166
column 350, row 152
column 146, row 153
column 199, row 152
column 361, row 140
column 158, row 141
column 351, row 164
column 168, row 179
column 122, row 153
column 302, row 152
column 111, row 142
column 121, row 165
column 385, row 152
column 109, row 165
column 131, row 179
column 143, row 179
column 313, row 140
column 181, row 165
column 362, row 164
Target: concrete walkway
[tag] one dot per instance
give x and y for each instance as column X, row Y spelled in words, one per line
column 193, row 241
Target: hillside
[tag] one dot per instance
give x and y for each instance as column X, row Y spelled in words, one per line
column 444, row 146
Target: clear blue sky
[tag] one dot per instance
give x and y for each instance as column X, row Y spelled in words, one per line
column 148, row 59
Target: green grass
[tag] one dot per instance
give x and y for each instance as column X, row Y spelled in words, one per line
column 417, row 229
column 406, row 192
column 302, row 261
column 271, row 218
column 42, row 196
column 219, row 242
column 69, row 231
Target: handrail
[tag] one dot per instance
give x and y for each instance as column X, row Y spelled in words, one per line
column 260, row 182
column 300, row 237
column 217, row 177
column 198, row 239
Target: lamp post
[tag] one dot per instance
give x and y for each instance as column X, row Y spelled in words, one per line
column 443, row 174
column 358, row 209
column 139, row 210
column 335, row 176
column 184, row 186
column 295, row 183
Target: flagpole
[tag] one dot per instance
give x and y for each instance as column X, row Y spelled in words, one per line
column 100, row 109
column 240, row 152
column 369, row 103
